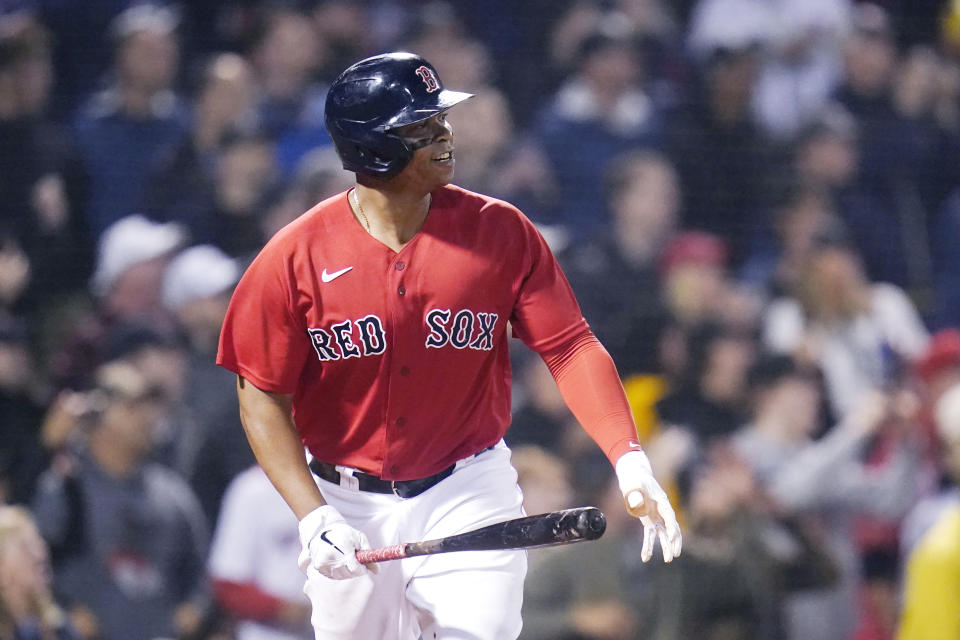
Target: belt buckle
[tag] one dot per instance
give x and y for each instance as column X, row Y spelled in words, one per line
column 393, row 487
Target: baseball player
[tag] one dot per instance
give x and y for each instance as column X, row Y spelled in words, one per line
column 373, row 331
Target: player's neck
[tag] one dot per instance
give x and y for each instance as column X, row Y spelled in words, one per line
column 391, row 216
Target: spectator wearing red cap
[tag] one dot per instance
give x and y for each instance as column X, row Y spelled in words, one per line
column 696, row 285
column 693, row 272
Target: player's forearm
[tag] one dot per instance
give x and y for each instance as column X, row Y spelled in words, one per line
column 591, row 387
column 268, row 422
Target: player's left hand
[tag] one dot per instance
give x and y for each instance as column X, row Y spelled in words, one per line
column 647, row 500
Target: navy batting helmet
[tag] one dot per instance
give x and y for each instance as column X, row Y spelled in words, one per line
column 375, row 96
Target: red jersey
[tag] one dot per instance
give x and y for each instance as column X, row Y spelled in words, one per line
column 398, row 362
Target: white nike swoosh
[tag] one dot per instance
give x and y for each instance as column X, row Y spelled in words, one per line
column 328, row 277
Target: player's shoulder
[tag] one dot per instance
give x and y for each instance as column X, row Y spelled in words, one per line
column 479, row 207
column 302, row 233
column 310, row 223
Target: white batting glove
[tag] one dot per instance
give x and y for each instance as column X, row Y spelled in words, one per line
column 647, row 501
column 329, row 544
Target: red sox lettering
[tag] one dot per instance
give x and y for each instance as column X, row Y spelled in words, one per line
column 367, row 337
column 338, row 342
column 467, row 328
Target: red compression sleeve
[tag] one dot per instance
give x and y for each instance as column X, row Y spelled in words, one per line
column 591, row 387
column 246, row 600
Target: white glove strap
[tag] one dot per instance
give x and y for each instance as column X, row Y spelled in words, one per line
column 634, row 472
column 316, row 521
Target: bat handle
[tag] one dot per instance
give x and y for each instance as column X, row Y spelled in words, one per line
column 395, row 552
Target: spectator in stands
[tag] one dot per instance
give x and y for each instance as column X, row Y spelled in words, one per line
column 946, row 264
column 128, row 537
column 824, row 479
column 287, row 53
column 708, row 400
column 658, row 25
column 599, row 113
column 121, row 131
column 351, row 30
column 159, row 355
column 827, row 155
column 927, row 127
column 15, row 272
column 196, row 288
column 932, row 587
column 22, row 457
column 244, row 178
column 826, row 151
column 697, row 285
column 801, row 213
column 544, row 478
column 180, row 185
column 693, row 274
column 28, row 610
column 939, row 366
column 126, row 287
column 803, row 64
column 41, row 222
column 901, row 178
column 743, row 560
column 253, row 562
column 870, row 55
column 615, row 275
column 861, row 334
column 585, row 591
column 540, row 417
column 937, row 370
column 723, row 158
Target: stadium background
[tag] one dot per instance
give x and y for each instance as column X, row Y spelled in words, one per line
column 757, row 203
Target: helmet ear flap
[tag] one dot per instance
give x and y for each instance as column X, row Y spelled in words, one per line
column 383, row 156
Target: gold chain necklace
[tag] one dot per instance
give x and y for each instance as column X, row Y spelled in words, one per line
column 356, row 200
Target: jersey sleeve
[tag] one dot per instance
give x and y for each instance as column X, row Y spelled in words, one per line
column 591, row 388
column 262, row 338
column 546, row 313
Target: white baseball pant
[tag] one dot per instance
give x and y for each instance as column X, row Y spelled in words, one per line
column 464, row 595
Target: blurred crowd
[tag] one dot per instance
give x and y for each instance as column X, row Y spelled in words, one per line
column 757, row 203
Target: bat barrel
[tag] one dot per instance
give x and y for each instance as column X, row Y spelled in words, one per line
column 545, row 529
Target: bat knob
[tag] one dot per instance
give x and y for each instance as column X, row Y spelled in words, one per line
column 592, row 523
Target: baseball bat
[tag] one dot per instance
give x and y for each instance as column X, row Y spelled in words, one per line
column 546, row 529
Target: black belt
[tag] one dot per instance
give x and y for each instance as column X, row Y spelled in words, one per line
column 372, row 483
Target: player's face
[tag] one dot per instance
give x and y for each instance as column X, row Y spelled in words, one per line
column 433, row 161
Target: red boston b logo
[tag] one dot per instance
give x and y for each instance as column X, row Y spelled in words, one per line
column 429, row 78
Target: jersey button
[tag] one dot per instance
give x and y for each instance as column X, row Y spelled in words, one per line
column 402, row 290
column 404, row 371
column 401, row 421
column 399, row 266
column 394, row 469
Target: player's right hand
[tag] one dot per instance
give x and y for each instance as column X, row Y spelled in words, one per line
column 329, row 544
